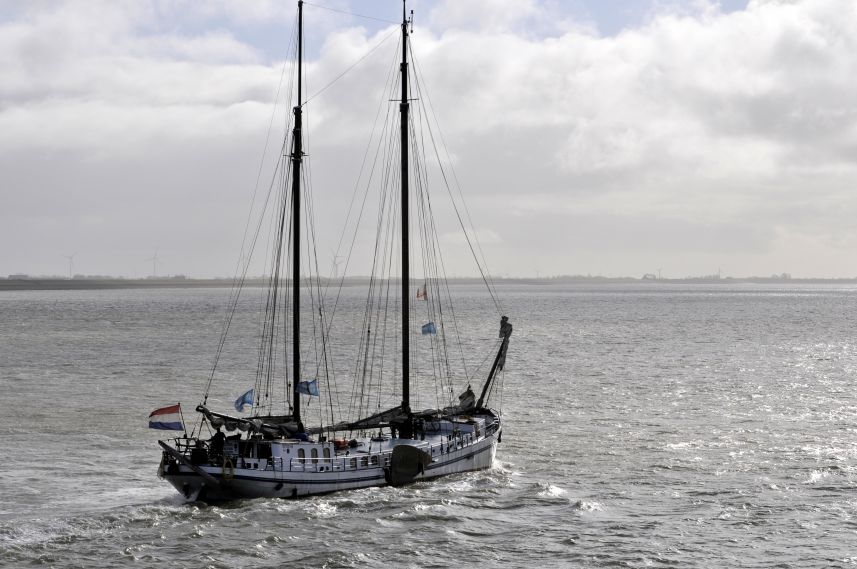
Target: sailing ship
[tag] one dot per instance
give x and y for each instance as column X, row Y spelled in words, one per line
column 283, row 451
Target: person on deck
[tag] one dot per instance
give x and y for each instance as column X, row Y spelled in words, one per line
column 216, row 447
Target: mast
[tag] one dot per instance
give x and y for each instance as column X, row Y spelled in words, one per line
column 406, row 277
column 297, row 159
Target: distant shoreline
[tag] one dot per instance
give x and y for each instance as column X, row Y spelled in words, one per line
column 34, row 283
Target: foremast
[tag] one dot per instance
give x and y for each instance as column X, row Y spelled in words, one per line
column 297, row 162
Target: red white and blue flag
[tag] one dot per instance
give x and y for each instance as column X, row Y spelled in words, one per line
column 167, row 418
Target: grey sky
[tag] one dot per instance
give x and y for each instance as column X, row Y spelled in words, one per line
column 589, row 136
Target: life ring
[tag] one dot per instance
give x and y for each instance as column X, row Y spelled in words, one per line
column 227, row 470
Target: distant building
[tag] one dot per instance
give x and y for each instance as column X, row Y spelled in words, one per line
column 19, row 277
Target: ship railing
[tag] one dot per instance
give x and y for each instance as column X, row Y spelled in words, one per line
column 196, row 450
column 362, row 461
column 492, row 428
column 459, row 440
column 358, row 461
column 186, row 445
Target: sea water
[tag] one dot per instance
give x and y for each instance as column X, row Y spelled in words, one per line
column 644, row 425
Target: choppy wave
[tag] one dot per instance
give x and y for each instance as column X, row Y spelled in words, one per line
column 686, row 427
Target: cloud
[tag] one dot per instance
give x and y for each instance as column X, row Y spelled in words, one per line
column 528, row 17
column 732, row 135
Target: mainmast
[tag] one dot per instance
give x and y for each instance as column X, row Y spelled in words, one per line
column 297, row 159
column 406, row 279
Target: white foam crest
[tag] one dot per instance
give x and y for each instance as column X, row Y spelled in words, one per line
column 390, row 522
column 818, row 475
column 459, row 486
column 832, row 452
column 505, row 467
column 320, row 509
column 26, row 534
column 282, row 506
column 727, row 513
column 587, row 506
column 134, row 495
column 550, row 491
column 442, row 508
column 103, row 502
column 683, row 445
column 38, row 532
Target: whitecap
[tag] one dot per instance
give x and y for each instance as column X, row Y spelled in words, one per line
column 587, row 506
column 321, row 510
column 818, row 475
column 550, row 491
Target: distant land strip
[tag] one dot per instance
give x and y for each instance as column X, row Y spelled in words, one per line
column 37, row 283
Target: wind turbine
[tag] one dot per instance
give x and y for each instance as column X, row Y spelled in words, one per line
column 336, row 263
column 70, row 263
column 154, row 259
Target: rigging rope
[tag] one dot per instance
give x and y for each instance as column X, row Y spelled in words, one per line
column 350, row 13
column 485, row 278
column 241, row 274
column 377, row 347
column 352, row 66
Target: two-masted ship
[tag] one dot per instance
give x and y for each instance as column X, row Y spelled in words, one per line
column 286, row 453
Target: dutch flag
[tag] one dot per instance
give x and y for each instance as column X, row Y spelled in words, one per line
column 167, row 418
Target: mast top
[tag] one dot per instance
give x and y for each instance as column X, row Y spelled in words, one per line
column 405, row 20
